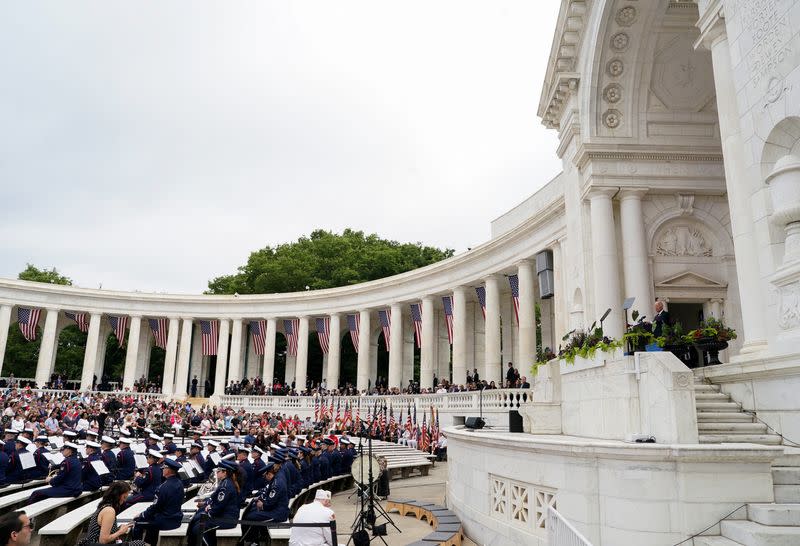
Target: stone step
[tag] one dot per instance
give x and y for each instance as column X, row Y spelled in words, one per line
column 735, row 428
column 723, row 417
column 790, row 457
column 713, row 541
column 718, row 406
column 789, row 494
column 750, row 533
column 732, row 438
column 774, row 514
column 711, row 397
column 785, row 475
column 704, row 388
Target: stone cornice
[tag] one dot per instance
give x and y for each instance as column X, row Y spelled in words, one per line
column 587, row 154
column 561, row 78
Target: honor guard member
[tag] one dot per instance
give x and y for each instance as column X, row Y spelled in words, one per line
column 324, row 459
column 180, row 458
column 165, row 512
column 89, row 476
column 9, row 444
column 197, row 457
column 3, row 467
column 247, row 467
column 335, row 459
column 225, row 448
column 152, row 442
column 305, row 466
column 272, row 503
column 109, row 459
column 258, row 468
column 219, row 511
column 67, row 483
column 169, row 444
column 281, row 459
column 147, row 480
column 15, row 472
column 316, row 464
column 28, row 433
column 196, row 438
column 39, row 472
column 209, row 464
column 293, row 465
column 347, row 454
column 126, row 462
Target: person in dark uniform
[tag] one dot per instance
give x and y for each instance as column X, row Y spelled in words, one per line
column 165, row 512
column 39, row 472
column 15, row 473
column 324, row 461
column 126, row 463
column 3, row 467
column 335, row 459
column 272, row 503
column 247, row 467
column 67, row 483
column 89, row 476
column 219, row 511
column 258, row 468
column 194, row 386
column 169, row 444
column 196, row 438
column 293, row 465
column 209, row 464
column 110, row 460
column 347, row 454
column 197, row 457
column 147, row 481
column 9, row 444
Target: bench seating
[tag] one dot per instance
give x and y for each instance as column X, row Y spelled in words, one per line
column 47, row 510
column 20, row 486
column 13, row 500
column 65, row 530
column 447, row 527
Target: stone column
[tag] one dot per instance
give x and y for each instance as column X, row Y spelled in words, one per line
column 5, row 324
column 396, row 347
column 269, row 351
column 427, row 351
column 526, row 273
column 715, row 37
column 507, row 326
column 635, row 260
column 560, row 297
column 47, row 349
column 235, row 365
column 334, row 351
column 607, row 291
column 169, row 359
column 90, row 354
column 301, row 367
column 184, row 351
column 132, row 354
column 362, row 373
column 492, row 365
column 460, row 335
column 222, row 357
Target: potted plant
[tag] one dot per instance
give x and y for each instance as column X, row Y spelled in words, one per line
column 543, row 356
column 584, row 346
column 711, row 337
column 672, row 340
column 638, row 335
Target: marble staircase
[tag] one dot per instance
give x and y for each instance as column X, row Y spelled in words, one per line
column 721, row 420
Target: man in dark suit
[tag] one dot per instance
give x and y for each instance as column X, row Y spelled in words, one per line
column 661, row 318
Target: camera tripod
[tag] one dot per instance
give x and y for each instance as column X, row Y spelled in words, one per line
column 369, row 511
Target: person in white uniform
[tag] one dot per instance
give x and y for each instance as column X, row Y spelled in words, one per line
column 318, row 511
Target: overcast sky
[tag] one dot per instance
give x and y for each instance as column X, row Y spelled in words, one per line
column 153, row 145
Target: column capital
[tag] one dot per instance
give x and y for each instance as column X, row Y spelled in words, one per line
column 632, row 193
column 492, row 276
column 135, row 316
column 712, row 26
column 525, row 261
column 600, row 192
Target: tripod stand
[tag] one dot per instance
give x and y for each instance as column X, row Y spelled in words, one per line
column 366, row 517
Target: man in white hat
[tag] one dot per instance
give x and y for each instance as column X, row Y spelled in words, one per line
column 318, row 511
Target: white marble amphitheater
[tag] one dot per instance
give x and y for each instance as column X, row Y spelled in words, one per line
column 679, row 128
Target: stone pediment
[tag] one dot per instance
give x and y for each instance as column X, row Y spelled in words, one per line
column 690, row 279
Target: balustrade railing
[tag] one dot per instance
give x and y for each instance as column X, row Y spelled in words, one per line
column 560, row 532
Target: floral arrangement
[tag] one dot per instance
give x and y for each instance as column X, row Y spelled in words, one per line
column 710, row 328
column 586, row 344
column 639, row 333
column 671, row 335
column 543, row 356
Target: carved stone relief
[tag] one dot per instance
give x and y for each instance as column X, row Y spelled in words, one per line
column 789, row 311
column 685, row 240
column 683, row 78
column 615, row 68
column 612, row 118
column 620, row 41
column 626, row 16
column 612, row 93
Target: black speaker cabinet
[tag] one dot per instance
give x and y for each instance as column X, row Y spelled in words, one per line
column 474, row 422
column 514, row 421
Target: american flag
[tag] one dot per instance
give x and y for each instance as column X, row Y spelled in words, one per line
column 423, row 442
column 338, row 413
column 385, row 318
column 159, row 328
column 409, row 424
column 358, row 416
column 391, row 418
column 348, row 415
column 416, row 317
column 316, row 409
column 210, row 331
column 259, row 330
column 481, row 291
column 353, row 323
column 383, row 419
column 81, row 319
column 28, row 319
column 513, row 280
column 118, row 324
column 290, row 328
column 324, row 333
column 447, row 301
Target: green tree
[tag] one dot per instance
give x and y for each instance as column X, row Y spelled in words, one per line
column 49, row 276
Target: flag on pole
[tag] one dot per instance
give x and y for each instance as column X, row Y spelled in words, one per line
column 118, row 325
column 209, row 330
column 291, row 328
column 81, row 319
column 159, row 329
column 447, row 302
column 316, row 410
column 513, row 280
column 324, row 333
column 416, row 317
column 353, row 323
column 391, row 418
column 423, row 442
column 409, row 424
column 259, row 330
column 358, row 417
column 481, row 291
column 28, row 320
column 338, row 414
column 385, row 318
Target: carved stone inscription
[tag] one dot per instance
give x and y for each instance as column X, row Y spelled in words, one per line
column 772, row 33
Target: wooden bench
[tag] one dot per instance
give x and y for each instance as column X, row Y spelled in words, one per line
column 447, row 527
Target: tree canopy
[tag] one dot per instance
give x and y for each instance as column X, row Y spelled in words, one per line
column 325, row 260
column 49, row 276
